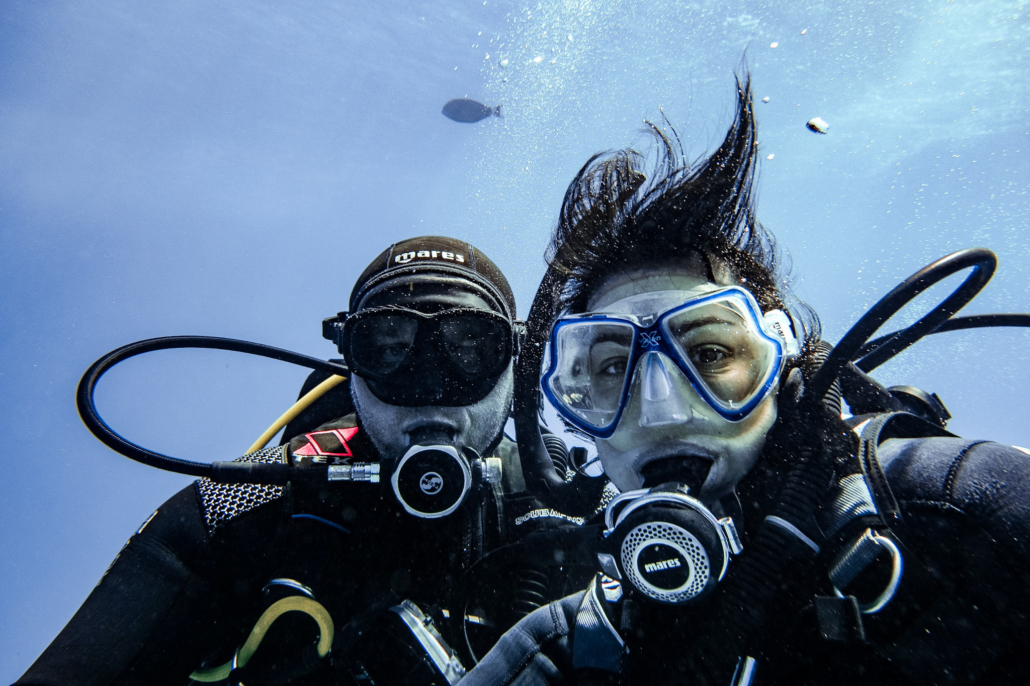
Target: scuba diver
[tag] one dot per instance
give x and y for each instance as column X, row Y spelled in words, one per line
column 250, row 576
column 755, row 535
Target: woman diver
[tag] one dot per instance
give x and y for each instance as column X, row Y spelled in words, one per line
column 754, row 535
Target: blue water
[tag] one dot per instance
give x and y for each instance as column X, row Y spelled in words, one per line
column 228, row 168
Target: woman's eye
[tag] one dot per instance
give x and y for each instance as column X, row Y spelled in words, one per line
column 614, row 368
column 707, row 354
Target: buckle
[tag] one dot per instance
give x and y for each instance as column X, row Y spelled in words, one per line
column 332, row 327
column 853, row 560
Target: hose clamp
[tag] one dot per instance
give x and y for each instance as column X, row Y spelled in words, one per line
column 358, row 471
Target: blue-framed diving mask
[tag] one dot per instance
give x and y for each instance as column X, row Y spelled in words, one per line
column 725, row 346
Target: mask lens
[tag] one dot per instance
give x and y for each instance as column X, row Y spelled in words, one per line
column 720, row 341
column 475, row 344
column 591, row 369
column 380, row 343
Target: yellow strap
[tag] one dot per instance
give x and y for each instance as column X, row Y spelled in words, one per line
column 298, row 407
column 297, row 603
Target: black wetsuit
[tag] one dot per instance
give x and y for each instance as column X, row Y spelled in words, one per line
column 187, row 588
column 961, row 614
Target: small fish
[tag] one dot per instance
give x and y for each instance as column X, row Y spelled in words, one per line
column 469, row 111
column 817, row 124
column 765, row 99
column 774, row 45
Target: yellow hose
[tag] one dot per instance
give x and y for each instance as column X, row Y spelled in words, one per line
column 296, row 603
column 298, row 407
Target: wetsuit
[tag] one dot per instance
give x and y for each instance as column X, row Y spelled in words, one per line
column 187, row 588
column 961, row 614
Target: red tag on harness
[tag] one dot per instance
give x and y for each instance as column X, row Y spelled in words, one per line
column 332, row 443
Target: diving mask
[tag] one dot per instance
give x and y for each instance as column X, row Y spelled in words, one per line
column 726, row 347
column 414, row 359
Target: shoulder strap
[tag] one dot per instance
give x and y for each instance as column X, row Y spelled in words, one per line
column 876, row 431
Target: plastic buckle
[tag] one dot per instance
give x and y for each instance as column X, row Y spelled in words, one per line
column 332, row 327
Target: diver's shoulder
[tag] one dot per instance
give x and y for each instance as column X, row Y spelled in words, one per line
column 963, row 473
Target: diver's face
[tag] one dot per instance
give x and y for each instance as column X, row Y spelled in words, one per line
column 393, row 428
column 704, row 448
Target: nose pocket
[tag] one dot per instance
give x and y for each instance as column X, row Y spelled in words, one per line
column 660, row 405
column 657, row 384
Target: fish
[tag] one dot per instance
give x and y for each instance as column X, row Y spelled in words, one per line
column 469, row 111
column 817, row 124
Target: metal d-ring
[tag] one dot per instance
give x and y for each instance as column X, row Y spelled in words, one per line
column 897, row 567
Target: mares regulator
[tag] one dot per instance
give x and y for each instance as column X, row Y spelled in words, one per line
column 666, row 544
column 428, row 481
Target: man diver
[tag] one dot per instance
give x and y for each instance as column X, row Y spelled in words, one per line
column 234, row 582
column 756, row 536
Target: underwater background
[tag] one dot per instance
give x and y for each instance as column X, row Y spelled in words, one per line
column 228, row 168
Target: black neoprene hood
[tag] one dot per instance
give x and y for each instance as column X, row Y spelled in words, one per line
column 435, row 255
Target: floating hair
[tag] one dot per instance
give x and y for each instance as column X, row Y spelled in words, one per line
column 616, row 219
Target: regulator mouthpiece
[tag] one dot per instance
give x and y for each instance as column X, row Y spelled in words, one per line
column 668, row 545
column 431, row 481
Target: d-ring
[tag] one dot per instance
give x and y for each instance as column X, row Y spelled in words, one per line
column 897, row 567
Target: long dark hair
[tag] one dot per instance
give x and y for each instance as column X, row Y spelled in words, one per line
column 615, row 220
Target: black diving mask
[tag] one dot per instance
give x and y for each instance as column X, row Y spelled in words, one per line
column 414, row 359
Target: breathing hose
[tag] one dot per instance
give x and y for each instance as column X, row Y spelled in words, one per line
column 536, row 461
column 975, row 321
column 225, row 472
column 983, row 263
column 574, row 497
column 302, row 404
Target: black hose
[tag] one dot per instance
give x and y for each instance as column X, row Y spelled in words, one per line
column 536, row 461
column 225, row 472
column 530, row 590
column 983, row 262
column 537, row 464
column 975, row 321
column 833, row 398
column 558, row 451
column 748, row 604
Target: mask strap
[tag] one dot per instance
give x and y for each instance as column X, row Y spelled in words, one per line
column 777, row 323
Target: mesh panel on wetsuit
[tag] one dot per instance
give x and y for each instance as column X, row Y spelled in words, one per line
column 223, row 502
column 609, row 492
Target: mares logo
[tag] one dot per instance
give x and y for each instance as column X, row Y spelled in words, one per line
column 406, row 257
column 663, row 564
